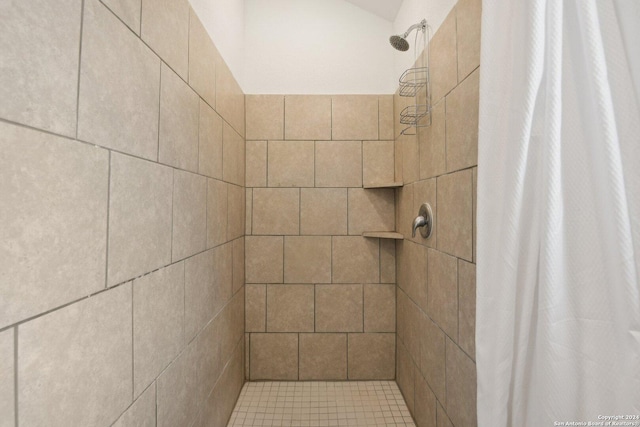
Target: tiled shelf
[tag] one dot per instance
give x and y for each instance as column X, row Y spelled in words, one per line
column 383, row 235
column 384, row 185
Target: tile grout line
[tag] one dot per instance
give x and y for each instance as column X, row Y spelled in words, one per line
column 363, row 308
column 15, row 376
column 458, row 299
column 79, row 67
column 133, row 348
column 156, row 401
column 173, row 191
column 159, row 112
column 140, row 27
column 106, row 256
column 347, row 335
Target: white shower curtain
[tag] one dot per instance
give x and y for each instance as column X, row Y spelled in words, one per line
column 558, row 226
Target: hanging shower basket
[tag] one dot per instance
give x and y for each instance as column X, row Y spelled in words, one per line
column 413, row 80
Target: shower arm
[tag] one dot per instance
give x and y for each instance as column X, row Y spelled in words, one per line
column 421, row 25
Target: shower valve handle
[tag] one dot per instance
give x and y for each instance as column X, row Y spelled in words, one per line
column 424, row 221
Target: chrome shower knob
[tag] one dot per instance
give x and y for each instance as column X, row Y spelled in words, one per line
column 424, row 221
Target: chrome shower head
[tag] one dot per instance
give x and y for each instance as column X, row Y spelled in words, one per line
column 399, row 43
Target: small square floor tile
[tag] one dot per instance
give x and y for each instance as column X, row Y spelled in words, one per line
column 316, row 404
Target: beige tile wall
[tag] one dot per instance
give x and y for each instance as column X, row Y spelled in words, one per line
column 320, row 299
column 123, row 218
column 436, row 278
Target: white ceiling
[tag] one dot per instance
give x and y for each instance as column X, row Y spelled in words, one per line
column 387, row 9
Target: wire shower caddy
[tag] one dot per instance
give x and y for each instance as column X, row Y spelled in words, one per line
column 415, row 83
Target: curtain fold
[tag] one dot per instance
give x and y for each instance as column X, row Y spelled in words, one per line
column 558, row 220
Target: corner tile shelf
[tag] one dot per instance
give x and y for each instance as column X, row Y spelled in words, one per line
column 383, row 235
column 384, row 185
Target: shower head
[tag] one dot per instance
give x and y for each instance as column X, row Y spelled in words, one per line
column 400, row 42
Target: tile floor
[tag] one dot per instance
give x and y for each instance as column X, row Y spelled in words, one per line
column 314, row 403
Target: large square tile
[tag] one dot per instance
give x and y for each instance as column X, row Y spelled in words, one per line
column 432, row 356
column 409, row 318
column 38, row 84
column 291, row 164
column 236, row 215
column 219, row 405
column 290, row 308
column 323, row 211
column 469, row 17
column 371, row 210
column 443, row 58
column 217, row 211
column 461, row 387
column 158, row 330
column 165, row 28
column 432, row 144
column 179, row 109
column 265, row 116
column 405, row 372
column 189, row 214
column 209, row 142
column 64, row 355
column 53, row 248
column 199, row 293
column 412, row 271
column 385, row 117
column 238, row 264
column 425, row 403
column 233, row 155
column 406, row 213
column 264, row 259
column 7, row 372
column 248, row 211
column 140, row 217
column 176, row 403
column 378, row 162
column 387, row 261
column 355, row 260
column 462, row 124
column 372, row 356
column 405, row 210
column 339, row 308
column 256, row 169
column 410, row 157
column 354, row 117
column 454, row 215
column 380, row 308
column 276, row 211
column 119, row 86
column 467, row 307
column 307, row 117
column 256, row 308
column 274, row 357
column 323, row 357
column 338, row 164
column 307, row 259
column 229, row 97
column 222, row 276
column 202, row 60
column 442, row 291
